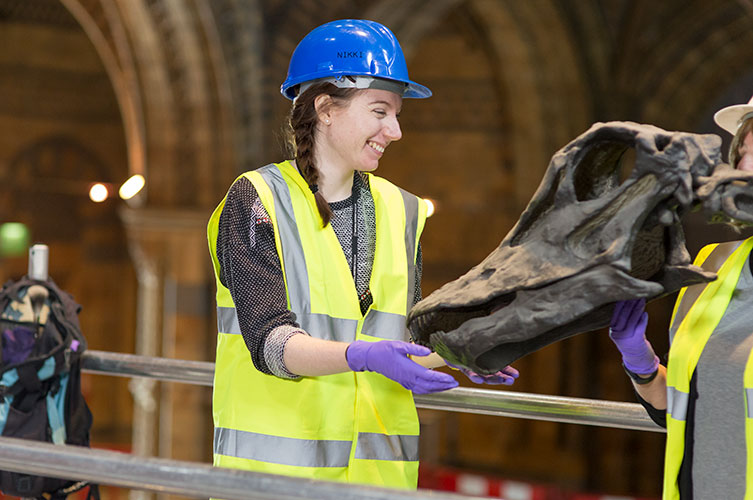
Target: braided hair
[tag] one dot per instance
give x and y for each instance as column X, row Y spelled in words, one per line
column 734, row 154
column 300, row 134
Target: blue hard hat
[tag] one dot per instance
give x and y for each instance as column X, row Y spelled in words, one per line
column 350, row 47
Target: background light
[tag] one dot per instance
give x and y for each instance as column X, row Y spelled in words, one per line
column 430, row 207
column 14, row 239
column 131, row 187
column 98, row 193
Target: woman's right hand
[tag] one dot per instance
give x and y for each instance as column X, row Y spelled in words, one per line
column 628, row 331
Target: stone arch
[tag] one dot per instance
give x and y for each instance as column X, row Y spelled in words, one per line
column 240, row 31
column 109, row 42
column 168, row 71
column 177, row 94
column 542, row 82
column 409, row 28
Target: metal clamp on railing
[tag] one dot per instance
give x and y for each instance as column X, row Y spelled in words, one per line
column 483, row 401
column 176, row 477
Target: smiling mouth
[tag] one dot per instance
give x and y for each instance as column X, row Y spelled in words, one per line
column 376, row 147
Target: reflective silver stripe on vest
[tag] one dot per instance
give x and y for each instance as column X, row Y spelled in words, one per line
column 327, row 327
column 411, row 228
column 384, row 325
column 293, row 258
column 677, row 403
column 281, row 450
column 377, row 324
column 317, row 325
column 749, row 402
column 373, row 446
column 227, row 320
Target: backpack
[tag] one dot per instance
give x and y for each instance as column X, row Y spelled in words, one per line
column 40, row 379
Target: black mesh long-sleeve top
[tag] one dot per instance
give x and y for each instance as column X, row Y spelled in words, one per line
column 250, row 267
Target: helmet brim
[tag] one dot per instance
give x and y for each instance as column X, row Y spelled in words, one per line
column 416, row 91
column 729, row 118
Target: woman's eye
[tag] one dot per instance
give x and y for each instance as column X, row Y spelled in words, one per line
column 380, row 112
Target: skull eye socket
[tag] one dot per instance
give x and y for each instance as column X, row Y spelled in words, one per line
column 604, row 167
column 741, row 203
column 662, row 141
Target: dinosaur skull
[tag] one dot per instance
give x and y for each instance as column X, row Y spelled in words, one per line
column 586, row 240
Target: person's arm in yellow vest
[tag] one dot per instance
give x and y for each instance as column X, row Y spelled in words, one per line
column 309, row 356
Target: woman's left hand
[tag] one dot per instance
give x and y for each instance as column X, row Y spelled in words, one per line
column 506, row 376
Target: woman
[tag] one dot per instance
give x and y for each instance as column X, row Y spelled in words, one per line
column 317, row 264
column 705, row 395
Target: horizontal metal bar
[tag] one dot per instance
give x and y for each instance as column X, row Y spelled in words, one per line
column 482, row 401
column 540, row 407
column 132, row 365
column 177, row 477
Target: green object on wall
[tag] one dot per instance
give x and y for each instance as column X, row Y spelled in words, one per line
column 14, row 239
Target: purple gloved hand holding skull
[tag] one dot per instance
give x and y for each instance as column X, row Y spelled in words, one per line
column 628, row 331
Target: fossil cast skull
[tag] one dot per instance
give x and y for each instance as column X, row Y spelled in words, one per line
column 586, row 240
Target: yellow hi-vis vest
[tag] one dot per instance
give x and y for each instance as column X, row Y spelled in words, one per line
column 697, row 313
column 354, row 427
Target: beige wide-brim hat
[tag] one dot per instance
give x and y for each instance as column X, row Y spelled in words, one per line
column 731, row 117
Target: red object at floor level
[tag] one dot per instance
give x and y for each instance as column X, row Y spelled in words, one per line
column 458, row 481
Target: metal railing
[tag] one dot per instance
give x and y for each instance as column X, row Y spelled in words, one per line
column 177, row 477
column 483, row 401
column 203, row 480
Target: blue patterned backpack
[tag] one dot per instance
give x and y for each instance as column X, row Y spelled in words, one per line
column 40, row 384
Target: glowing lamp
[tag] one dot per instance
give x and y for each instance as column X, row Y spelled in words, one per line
column 14, row 239
column 132, row 186
column 430, row 207
column 98, row 193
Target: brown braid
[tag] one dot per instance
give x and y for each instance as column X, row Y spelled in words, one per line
column 734, row 154
column 300, row 133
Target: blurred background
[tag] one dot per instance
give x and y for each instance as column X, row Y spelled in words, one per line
column 185, row 93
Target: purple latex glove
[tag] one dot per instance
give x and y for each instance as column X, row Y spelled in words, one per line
column 628, row 331
column 390, row 358
column 17, row 344
column 506, row 376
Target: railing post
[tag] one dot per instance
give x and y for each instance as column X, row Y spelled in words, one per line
column 39, row 262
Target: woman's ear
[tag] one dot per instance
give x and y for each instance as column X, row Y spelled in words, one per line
column 323, row 106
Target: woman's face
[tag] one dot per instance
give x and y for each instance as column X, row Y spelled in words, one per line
column 359, row 132
column 746, row 153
